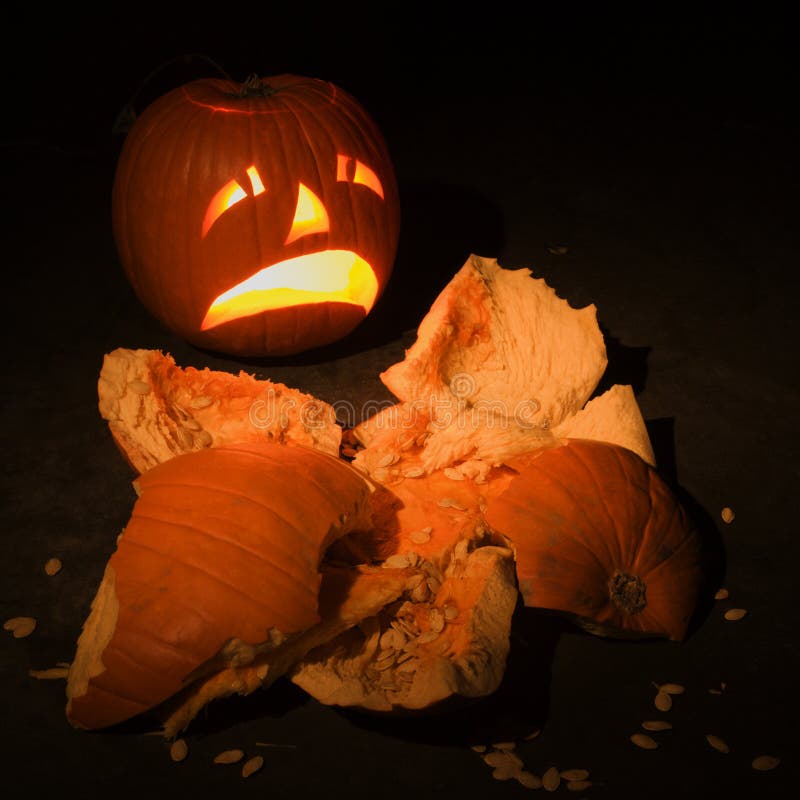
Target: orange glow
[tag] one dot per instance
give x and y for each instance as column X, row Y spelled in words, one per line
column 229, row 195
column 255, row 180
column 310, row 215
column 362, row 174
column 338, row 276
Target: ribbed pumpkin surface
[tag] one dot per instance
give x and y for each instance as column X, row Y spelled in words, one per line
column 599, row 535
column 222, row 543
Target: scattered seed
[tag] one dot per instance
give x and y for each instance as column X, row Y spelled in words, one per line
column 185, row 439
column 721, row 594
column 414, row 472
column 727, row 515
column 533, row 734
column 192, row 425
column 252, row 765
column 433, row 584
column 229, row 757
column 529, row 780
column 499, row 758
column 479, row 748
column 453, row 474
column 179, row 750
column 763, row 763
column 505, row 772
column 461, row 550
column 504, row 745
column 449, row 502
column 575, row 774
column 450, row 612
column 436, row 620
column 51, row 674
column 644, row 741
column 735, row 614
column 204, row 439
column 52, row 566
column 139, row 387
column 672, row 688
column 551, row 779
column 20, row 626
column 420, row 593
column 428, row 636
column 397, row 561
column 657, row 725
column 558, row 250
column 203, row 401
column 717, row 743
column 663, row 701
column 578, row 786
column 262, row 672
column 420, row 537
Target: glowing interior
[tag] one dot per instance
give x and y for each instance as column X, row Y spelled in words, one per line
column 255, row 180
column 338, row 276
column 310, row 215
column 229, row 195
column 362, row 174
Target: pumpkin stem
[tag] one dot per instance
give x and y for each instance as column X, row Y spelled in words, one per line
column 627, row 592
column 253, row 86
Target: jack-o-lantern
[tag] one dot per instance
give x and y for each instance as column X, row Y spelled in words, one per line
column 256, row 219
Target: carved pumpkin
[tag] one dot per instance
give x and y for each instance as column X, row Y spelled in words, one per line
column 598, row 535
column 256, row 219
column 220, row 556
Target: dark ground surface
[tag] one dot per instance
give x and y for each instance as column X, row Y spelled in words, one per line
column 662, row 154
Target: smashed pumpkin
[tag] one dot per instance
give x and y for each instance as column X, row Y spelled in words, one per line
column 497, row 473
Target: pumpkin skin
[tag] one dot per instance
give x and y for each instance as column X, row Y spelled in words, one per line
column 217, row 550
column 599, row 536
column 220, row 184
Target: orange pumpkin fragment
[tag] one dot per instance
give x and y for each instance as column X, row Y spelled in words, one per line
column 597, row 534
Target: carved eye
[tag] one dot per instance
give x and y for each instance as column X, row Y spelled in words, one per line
column 310, row 215
column 355, row 171
column 229, row 195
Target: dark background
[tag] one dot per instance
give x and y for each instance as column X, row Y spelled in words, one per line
column 659, row 149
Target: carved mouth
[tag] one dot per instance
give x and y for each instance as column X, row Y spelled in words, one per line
column 330, row 276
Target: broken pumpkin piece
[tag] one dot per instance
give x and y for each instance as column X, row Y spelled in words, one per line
column 218, row 562
column 421, row 654
column 599, row 536
column 156, row 410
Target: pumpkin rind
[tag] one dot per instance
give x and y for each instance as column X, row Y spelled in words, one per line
column 598, row 535
column 223, row 545
column 201, row 137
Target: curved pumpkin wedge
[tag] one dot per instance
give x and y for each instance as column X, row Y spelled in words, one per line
column 156, row 410
column 598, row 535
column 218, row 561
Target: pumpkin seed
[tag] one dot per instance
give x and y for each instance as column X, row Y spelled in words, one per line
column 436, row 620
column 763, row 763
column 20, row 626
column 52, row 566
column 504, row 745
column 529, row 780
column 202, row 401
column 252, row 765
column 179, row 750
column 644, row 741
column 663, row 701
column 578, row 786
column 505, row 772
column 433, row 584
column 388, row 460
column 420, row 593
column 184, row 438
column 192, row 425
column 575, row 774
column 657, row 725
column 478, row 748
column 204, row 439
column 51, row 674
column 672, row 688
column 229, row 757
column 428, row 636
column 397, row 561
column 453, row 474
column 721, row 594
column 551, row 779
column 717, row 743
column 449, row 502
column 420, row 537
column 727, row 515
column 735, row 614
column 139, row 387
column 450, row 612
column 533, row 734
column 413, row 472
